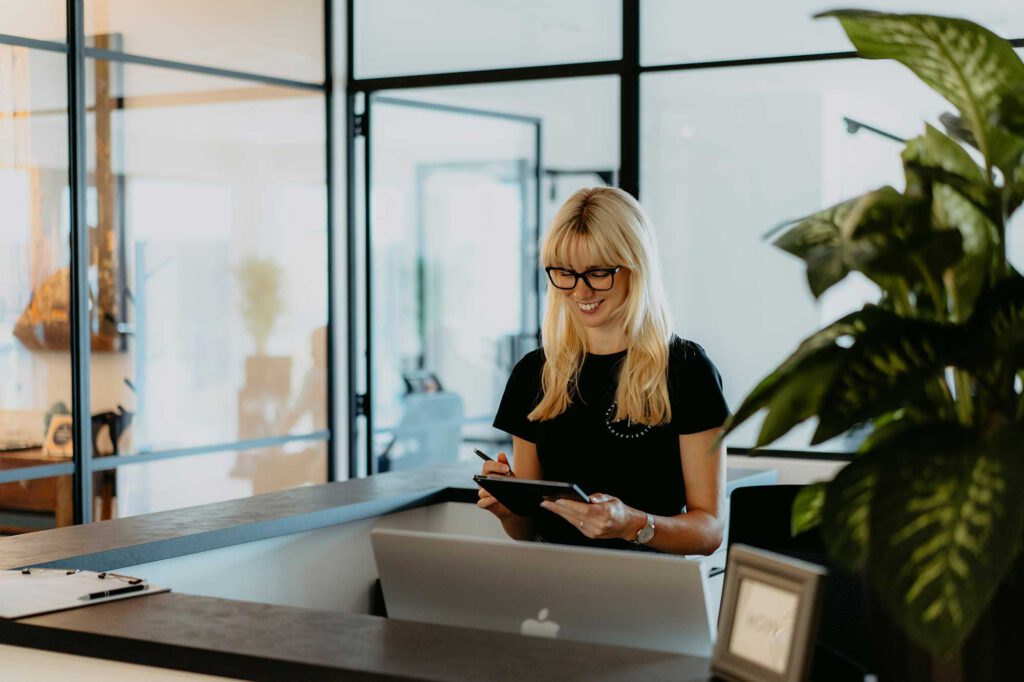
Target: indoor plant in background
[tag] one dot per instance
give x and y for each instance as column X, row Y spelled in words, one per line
column 263, row 398
column 932, row 505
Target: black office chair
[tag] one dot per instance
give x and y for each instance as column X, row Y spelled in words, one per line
column 759, row 516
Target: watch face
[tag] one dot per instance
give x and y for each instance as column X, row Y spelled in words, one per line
column 645, row 534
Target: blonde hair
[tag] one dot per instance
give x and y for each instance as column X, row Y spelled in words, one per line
column 615, row 228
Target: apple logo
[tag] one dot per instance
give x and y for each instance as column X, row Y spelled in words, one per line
column 541, row 627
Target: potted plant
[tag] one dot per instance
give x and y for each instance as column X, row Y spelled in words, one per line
column 267, row 378
column 932, row 505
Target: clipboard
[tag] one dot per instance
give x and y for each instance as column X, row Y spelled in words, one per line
column 35, row 591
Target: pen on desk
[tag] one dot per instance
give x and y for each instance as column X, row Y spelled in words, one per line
column 487, row 458
column 114, row 592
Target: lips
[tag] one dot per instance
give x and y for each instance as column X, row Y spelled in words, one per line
column 589, row 308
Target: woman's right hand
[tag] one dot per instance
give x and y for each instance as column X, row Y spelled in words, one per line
column 488, row 501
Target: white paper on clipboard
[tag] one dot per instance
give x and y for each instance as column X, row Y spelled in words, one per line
column 39, row 591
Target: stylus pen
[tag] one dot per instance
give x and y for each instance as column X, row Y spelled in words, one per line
column 114, row 592
column 487, row 458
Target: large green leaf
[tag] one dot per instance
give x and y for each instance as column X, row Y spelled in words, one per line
column 946, row 518
column 807, row 508
column 793, row 391
column 962, row 200
column 846, row 513
column 817, row 240
column 890, row 365
column 969, row 65
column 1008, row 145
column 869, row 362
column 997, row 327
column 881, row 234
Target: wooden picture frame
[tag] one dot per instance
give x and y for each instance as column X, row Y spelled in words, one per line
column 769, row 617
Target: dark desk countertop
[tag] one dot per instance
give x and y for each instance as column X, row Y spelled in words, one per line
column 261, row 641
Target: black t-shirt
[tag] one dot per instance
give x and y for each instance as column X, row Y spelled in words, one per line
column 637, row 463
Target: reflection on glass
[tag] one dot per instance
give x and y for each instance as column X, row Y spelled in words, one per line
column 209, row 271
column 673, row 32
column 215, row 477
column 35, row 360
column 37, row 19
column 454, row 265
column 402, row 37
column 729, row 153
column 266, row 37
column 35, row 504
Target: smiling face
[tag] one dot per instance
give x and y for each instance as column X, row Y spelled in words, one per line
column 595, row 309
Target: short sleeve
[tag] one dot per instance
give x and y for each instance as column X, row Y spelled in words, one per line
column 522, row 393
column 695, row 388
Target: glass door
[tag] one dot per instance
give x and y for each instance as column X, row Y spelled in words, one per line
column 450, row 263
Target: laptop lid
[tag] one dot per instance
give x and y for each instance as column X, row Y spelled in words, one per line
column 635, row 599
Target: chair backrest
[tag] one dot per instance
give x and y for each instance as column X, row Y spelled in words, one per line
column 759, row 516
column 429, row 432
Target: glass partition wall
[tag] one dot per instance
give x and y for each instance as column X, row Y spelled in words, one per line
column 725, row 121
column 164, row 279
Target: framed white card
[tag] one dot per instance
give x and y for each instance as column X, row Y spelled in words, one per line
column 769, row 617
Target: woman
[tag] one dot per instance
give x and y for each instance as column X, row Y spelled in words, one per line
column 613, row 402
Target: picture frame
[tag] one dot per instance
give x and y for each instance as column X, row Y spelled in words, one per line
column 769, row 617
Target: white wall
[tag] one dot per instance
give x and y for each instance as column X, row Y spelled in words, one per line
column 331, row 568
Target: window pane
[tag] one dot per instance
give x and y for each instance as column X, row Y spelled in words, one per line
column 454, row 234
column 35, row 504
column 397, row 37
column 35, row 359
column 579, row 125
column 210, row 279
column 38, row 19
column 730, row 153
column 215, row 477
column 267, row 37
column 675, row 32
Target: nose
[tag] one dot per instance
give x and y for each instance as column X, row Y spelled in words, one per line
column 581, row 288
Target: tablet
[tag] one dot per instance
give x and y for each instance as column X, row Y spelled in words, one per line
column 523, row 496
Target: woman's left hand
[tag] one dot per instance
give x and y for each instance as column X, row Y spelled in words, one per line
column 606, row 517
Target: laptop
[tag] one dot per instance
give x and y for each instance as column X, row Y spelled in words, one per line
column 634, row 599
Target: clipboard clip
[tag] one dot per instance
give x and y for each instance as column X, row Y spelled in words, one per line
column 28, row 570
column 117, row 576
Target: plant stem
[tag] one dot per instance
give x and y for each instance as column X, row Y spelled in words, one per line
column 942, row 312
column 964, row 399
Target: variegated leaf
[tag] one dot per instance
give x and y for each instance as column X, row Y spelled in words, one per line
column 887, row 367
column 807, row 508
column 968, row 65
column 945, row 525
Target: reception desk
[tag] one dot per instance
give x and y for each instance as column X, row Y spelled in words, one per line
column 278, row 587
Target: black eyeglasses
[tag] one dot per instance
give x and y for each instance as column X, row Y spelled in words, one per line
column 598, row 279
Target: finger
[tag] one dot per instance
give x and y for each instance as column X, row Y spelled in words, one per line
column 578, row 508
column 503, row 459
column 560, row 511
column 485, row 502
column 496, row 468
column 600, row 498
